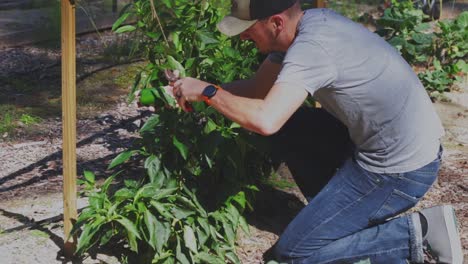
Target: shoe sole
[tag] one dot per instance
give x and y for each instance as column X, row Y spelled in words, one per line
column 451, row 225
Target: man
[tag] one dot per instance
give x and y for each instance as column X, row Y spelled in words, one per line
column 364, row 83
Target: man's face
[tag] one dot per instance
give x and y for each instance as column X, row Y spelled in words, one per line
column 261, row 35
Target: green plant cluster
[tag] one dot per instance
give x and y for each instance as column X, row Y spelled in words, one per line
column 443, row 53
column 451, row 49
column 402, row 26
column 199, row 169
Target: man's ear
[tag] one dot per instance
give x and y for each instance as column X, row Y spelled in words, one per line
column 278, row 23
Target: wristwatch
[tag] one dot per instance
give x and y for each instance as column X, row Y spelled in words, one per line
column 209, row 92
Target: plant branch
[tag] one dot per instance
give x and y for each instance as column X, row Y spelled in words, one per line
column 155, row 16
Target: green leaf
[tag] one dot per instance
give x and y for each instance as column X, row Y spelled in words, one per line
column 85, row 215
column 168, row 3
column 202, row 236
column 209, row 161
column 243, row 224
column 123, row 29
column 230, row 235
column 240, row 199
column 179, row 255
column 161, row 209
column 152, row 164
column 136, row 83
column 422, row 27
column 132, row 242
column 175, row 65
column 422, row 38
column 89, row 176
column 163, row 256
column 234, row 125
column 233, row 257
column 462, row 20
column 462, row 66
column 164, row 193
column 108, row 182
column 437, row 65
column 204, row 224
column 206, row 38
column 106, row 237
column 124, row 193
column 163, row 231
column 86, row 238
column 210, row 126
column 150, row 124
column 190, row 240
column 120, row 21
column 233, row 214
column 180, row 213
column 131, row 184
column 181, row 147
column 121, row 158
column 129, row 226
column 150, row 221
column 149, row 190
column 208, row 258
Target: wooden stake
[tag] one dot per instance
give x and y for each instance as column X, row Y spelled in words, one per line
column 69, row 122
column 320, row 3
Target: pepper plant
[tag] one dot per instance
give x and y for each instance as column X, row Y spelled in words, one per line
column 198, row 169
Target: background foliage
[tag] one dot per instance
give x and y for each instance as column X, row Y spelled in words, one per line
column 440, row 49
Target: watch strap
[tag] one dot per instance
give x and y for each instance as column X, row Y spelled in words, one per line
column 208, row 99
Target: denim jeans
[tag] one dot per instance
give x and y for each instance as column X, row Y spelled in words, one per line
column 352, row 219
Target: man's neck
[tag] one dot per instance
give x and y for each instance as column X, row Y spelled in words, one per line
column 292, row 30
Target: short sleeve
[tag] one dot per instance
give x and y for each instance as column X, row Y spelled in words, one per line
column 309, row 66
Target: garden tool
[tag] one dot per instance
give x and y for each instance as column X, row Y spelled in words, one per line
column 172, row 77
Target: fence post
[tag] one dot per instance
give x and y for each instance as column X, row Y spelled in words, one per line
column 69, row 122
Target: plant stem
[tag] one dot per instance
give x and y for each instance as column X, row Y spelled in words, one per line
column 155, row 16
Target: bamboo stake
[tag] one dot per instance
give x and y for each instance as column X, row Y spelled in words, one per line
column 69, row 122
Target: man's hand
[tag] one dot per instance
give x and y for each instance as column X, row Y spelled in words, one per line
column 188, row 90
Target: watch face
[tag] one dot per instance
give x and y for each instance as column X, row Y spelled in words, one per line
column 209, row 91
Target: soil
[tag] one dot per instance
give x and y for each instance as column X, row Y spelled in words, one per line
column 31, row 169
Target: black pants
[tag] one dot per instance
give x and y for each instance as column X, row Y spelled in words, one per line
column 313, row 144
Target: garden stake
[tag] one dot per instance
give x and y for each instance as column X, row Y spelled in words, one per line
column 69, row 123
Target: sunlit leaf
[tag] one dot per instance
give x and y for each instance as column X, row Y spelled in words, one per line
column 120, row 21
column 121, row 158
column 181, row 147
column 150, row 124
column 123, row 29
column 89, row 176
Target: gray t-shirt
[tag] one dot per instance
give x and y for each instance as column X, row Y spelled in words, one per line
column 363, row 81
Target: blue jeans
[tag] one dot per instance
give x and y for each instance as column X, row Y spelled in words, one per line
column 351, row 219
